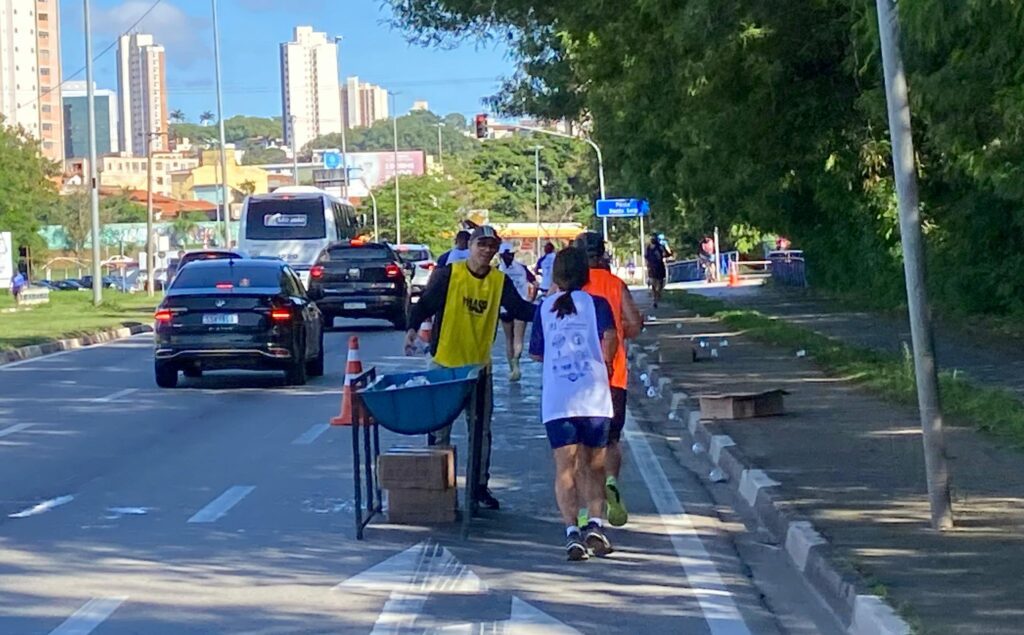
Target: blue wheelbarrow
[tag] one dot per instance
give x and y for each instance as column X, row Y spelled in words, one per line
column 414, row 403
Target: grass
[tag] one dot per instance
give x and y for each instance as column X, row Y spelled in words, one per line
column 71, row 314
column 964, row 402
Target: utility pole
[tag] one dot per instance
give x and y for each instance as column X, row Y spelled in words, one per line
column 905, row 173
column 536, row 191
column 344, row 124
column 398, row 196
column 223, row 144
column 150, row 238
column 295, row 151
column 373, row 199
column 94, row 192
column 440, row 160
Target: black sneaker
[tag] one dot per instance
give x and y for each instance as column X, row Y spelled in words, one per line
column 486, row 499
column 596, row 540
column 574, row 547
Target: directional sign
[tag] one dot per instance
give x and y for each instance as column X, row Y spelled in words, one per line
column 332, row 160
column 622, row 207
column 412, row 576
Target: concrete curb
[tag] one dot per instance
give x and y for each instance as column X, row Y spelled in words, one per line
column 809, row 552
column 57, row 346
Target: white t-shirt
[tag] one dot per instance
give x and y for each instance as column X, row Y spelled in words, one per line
column 457, row 255
column 575, row 375
column 546, row 262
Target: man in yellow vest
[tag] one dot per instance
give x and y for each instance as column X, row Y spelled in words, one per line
column 464, row 299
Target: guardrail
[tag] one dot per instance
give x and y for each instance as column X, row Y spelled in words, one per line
column 694, row 270
column 789, row 267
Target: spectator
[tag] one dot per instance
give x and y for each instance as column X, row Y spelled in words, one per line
column 543, row 268
column 656, row 271
column 18, row 284
column 459, row 252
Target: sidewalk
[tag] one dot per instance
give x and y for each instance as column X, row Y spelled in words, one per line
column 852, row 464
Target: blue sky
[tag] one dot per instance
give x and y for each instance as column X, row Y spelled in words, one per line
column 452, row 80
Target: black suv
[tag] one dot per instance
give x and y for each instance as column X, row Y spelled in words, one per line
column 358, row 279
column 247, row 314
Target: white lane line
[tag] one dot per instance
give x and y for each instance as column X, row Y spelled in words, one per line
column 22, row 362
column 117, row 395
column 713, row 596
column 18, row 427
column 311, row 435
column 43, row 507
column 222, row 504
column 92, row 614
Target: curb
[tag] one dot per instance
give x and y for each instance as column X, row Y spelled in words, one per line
column 808, row 551
column 57, row 346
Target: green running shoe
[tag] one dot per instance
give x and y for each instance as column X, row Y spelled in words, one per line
column 617, row 514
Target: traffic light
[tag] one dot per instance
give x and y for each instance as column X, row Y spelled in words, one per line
column 481, row 126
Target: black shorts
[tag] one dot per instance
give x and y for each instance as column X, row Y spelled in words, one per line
column 506, row 318
column 618, row 414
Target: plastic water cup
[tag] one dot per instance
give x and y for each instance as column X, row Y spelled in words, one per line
column 717, row 475
column 698, row 448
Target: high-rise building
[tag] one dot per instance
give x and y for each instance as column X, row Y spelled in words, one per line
column 30, row 71
column 76, row 120
column 142, row 89
column 309, row 86
column 363, row 103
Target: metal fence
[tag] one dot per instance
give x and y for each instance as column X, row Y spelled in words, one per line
column 789, row 268
column 694, row 270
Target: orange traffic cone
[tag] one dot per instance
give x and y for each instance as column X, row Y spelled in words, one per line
column 734, row 276
column 425, row 330
column 353, row 369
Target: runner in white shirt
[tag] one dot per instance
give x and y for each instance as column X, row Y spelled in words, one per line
column 515, row 330
column 543, row 267
column 574, row 335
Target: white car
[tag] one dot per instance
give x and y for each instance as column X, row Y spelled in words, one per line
column 420, row 256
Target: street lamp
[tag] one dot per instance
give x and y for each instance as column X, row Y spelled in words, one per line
column 344, row 122
column 94, row 193
column 150, row 247
column 220, row 118
column 295, row 151
column 398, row 196
column 440, row 161
column 536, row 188
column 376, row 229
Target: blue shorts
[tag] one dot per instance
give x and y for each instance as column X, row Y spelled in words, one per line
column 590, row 431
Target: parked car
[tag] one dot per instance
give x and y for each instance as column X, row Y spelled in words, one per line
column 237, row 314
column 68, row 285
column 52, row 286
column 420, row 257
column 108, row 282
column 359, row 279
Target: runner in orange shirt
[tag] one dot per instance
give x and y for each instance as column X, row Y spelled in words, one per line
column 628, row 323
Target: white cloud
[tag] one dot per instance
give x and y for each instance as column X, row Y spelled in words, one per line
column 185, row 38
column 282, row 5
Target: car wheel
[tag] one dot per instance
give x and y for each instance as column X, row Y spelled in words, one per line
column 166, row 375
column 295, row 374
column 401, row 318
column 315, row 366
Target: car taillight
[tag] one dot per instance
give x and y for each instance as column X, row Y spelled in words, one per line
column 429, row 266
column 316, row 271
column 163, row 316
column 224, row 285
column 392, row 270
column 280, row 315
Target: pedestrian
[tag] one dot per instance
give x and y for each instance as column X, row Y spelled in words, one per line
column 18, row 284
column 543, row 268
column 574, row 336
column 464, row 300
column 459, row 252
column 628, row 324
column 515, row 330
column 656, row 272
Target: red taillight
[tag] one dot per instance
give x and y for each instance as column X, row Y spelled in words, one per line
column 280, row 315
column 392, row 270
column 316, row 271
column 224, row 285
column 163, row 316
column 429, row 266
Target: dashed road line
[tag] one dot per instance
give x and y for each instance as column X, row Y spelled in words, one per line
column 222, row 504
column 18, row 427
column 92, row 614
column 311, row 435
column 115, row 396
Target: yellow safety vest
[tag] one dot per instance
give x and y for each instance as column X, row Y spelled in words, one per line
column 470, row 317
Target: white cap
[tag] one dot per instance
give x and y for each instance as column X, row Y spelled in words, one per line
column 506, row 247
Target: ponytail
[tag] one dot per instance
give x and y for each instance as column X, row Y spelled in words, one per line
column 570, row 272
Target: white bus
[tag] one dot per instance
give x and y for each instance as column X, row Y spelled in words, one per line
column 294, row 224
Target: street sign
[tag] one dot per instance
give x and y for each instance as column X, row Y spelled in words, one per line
column 622, row 207
column 332, row 160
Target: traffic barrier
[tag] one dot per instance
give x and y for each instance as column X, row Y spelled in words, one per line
column 353, row 369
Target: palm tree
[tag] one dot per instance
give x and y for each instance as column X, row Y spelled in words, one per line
column 206, row 118
column 177, row 115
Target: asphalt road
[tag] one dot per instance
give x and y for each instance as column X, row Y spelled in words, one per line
column 225, row 506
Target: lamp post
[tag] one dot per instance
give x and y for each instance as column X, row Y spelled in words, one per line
column 220, row 120
column 295, row 151
column 440, row 160
column 373, row 199
column 536, row 190
column 344, row 123
column 94, row 193
column 150, row 246
column 398, row 196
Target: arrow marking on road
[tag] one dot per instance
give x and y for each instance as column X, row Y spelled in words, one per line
column 18, row 427
column 411, row 576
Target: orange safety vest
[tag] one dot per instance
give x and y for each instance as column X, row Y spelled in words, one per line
column 605, row 284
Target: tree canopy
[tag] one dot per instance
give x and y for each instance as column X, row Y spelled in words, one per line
column 25, row 187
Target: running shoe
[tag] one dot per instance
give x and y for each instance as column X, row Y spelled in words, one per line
column 574, row 547
column 596, row 541
column 486, row 499
column 515, row 374
column 617, row 514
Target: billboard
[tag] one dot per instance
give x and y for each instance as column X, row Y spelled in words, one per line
column 378, row 167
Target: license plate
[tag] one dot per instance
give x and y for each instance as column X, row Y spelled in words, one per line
column 355, row 305
column 220, row 318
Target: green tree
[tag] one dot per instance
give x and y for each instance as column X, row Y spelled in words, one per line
column 430, row 210
column 263, row 156
column 26, row 192
column 416, row 131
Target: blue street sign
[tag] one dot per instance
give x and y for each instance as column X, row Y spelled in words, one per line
column 332, row 160
column 622, row 207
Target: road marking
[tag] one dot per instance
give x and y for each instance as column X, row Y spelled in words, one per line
column 311, row 435
column 117, row 395
column 222, row 504
column 713, row 596
column 412, row 575
column 92, row 614
column 21, row 362
column 43, row 507
column 18, row 427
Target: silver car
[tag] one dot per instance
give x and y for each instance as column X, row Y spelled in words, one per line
column 423, row 261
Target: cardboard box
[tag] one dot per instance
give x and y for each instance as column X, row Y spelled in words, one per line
column 421, row 506
column 742, row 405
column 676, row 350
column 430, row 468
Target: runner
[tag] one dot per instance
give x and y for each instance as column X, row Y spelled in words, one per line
column 628, row 323
column 543, row 268
column 656, row 272
column 574, row 336
column 525, row 284
column 459, row 252
column 463, row 299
